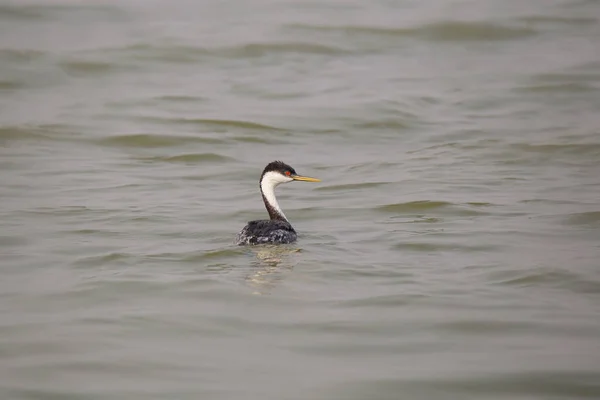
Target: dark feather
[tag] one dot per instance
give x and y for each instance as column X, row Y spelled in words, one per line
column 265, row 231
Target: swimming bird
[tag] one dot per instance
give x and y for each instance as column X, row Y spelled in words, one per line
column 278, row 229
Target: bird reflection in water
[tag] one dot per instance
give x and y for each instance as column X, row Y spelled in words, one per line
column 271, row 266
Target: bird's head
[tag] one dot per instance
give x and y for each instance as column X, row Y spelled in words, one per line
column 278, row 172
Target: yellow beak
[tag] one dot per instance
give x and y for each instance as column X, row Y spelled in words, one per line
column 304, row 178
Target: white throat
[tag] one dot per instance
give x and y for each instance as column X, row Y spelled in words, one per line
column 269, row 182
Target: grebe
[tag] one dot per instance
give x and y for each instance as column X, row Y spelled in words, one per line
column 278, row 229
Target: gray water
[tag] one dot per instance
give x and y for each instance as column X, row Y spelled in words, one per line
column 451, row 250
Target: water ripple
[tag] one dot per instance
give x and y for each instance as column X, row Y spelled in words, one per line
column 231, row 124
column 473, row 208
column 191, row 54
column 591, row 219
column 143, row 140
column 439, row 31
column 194, row 158
column 431, row 247
column 350, row 186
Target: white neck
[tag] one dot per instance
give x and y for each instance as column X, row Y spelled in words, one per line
column 268, row 184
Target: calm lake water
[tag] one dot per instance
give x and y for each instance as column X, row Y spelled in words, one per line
column 451, row 251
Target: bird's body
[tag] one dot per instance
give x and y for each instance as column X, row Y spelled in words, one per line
column 267, row 231
column 276, row 230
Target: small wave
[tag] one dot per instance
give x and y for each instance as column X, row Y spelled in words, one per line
column 423, row 206
column 548, row 277
column 549, row 201
column 261, row 49
column 442, row 31
column 212, row 255
column 192, row 158
column 153, row 52
column 12, row 241
column 20, row 55
column 393, row 124
column 13, row 12
column 367, row 166
column 523, row 383
column 84, row 68
column 41, row 11
column 257, row 139
column 417, row 220
column 11, row 85
column 94, row 232
column 586, row 218
column 149, row 140
column 180, row 99
column 18, row 133
column 210, row 122
column 414, row 206
column 435, row 247
column 100, row 260
column 566, row 87
column 63, row 211
column 382, row 301
column 51, row 132
column 485, row 326
column 472, row 31
column 353, row 29
column 576, row 21
column 193, row 54
column 126, row 258
column 586, row 74
column 350, row 186
column 575, row 149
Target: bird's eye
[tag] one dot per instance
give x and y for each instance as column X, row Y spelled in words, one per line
column 288, row 173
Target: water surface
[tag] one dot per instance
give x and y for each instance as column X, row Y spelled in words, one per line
column 451, row 250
